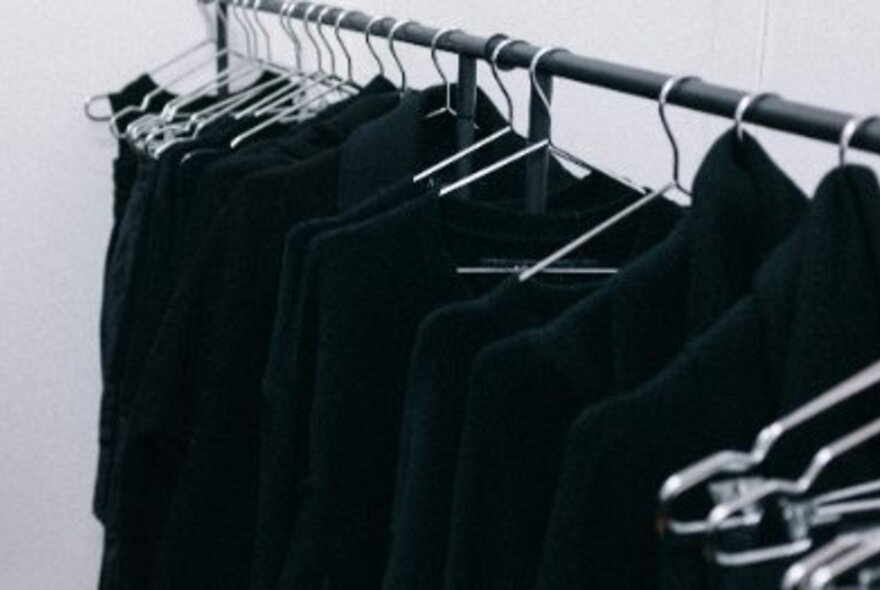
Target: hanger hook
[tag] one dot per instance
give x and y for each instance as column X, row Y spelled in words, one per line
column 391, row 38
column 254, row 42
column 743, row 105
column 210, row 22
column 285, row 16
column 336, row 25
column 306, row 20
column 662, row 100
column 434, row 41
column 258, row 4
column 235, row 10
column 493, row 65
column 533, row 75
column 368, row 33
column 849, row 131
column 321, row 34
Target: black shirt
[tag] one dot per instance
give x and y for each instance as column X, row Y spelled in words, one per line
column 810, row 321
column 376, row 282
column 433, row 409
column 287, row 399
column 531, row 387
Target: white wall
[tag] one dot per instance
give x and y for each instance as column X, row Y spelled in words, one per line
column 55, row 210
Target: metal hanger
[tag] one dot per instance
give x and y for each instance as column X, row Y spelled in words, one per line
column 209, row 41
column 154, row 125
column 503, row 163
column 157, row 141
column 392, row 34
column 738, row 462
column 865, row 548
column 147, row 100
column 491, row 138
column 675, row 183
column 800, row 486
column 349, row 65
column 293, row 83
column 368, row 33
column 798, row 574
column 447, row 108
column 297, row 109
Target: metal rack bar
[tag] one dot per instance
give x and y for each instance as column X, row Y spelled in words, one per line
column 222, row 43
column 775, row 113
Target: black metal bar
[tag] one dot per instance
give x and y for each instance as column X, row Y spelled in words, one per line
column 538, row 163
column 775, row 113
column 466, row 107
column 222, row 44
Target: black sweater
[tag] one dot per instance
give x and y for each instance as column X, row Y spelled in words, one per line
column 286, row 401
column 408, row 258
column 187, row 489
column 194, row 355
column 810, row 321
column 433, row 409
column 527, row 389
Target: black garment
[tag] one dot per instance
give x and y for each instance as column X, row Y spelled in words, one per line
column 433, row 410
column 409, row 257
column 135, row 212
column 194, row 360
column 287, row 382
column 527, row 390
column 810, row 321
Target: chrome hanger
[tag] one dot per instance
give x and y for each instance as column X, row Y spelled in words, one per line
column 742, row 106
column 349, row 67
column 800, row 486
column 667, row 88
column 147, row 100
column 155, row 125
column 447, row 108
column 505, row 162
column 737, row 462
column 491, row 138
column 210, row 41
column 368, row 33
column 866, row 550
column 391, row 38
column 798, row 574
column 297, row 109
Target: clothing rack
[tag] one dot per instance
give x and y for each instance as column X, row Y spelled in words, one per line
column 771, row 112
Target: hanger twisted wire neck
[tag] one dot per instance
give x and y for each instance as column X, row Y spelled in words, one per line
column 391, row 47
column 670, row 85
column 743, row 105
column 438, row 36
column 849, row 131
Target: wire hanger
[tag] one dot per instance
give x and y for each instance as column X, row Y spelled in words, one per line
column 737, row 462
column 209, row 41
column 297, row 109
column 446, row 109
column 675, row 183
column 491, row 138
column 391, row 48
column 859, row 549
column 503, row 163
column 796, row 487
column 368, row 34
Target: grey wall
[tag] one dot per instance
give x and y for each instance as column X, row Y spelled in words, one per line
column 55, row 170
